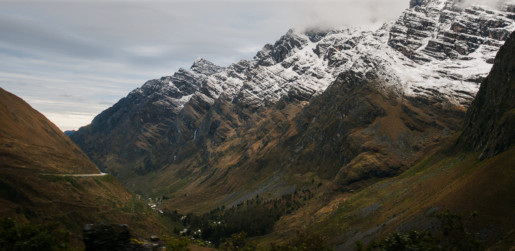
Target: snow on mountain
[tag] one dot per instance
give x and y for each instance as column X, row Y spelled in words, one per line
column 178, row 89
column 434, row 54
column 435, row 49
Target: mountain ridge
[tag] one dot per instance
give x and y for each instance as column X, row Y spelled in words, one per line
column 238, row 117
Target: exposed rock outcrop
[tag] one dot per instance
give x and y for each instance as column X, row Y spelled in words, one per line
column 490, row 122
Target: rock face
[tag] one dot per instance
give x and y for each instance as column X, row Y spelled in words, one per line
column 450, row 42
column 350, row 104
column 444, row 30
column 490, row 122
column 134, row 127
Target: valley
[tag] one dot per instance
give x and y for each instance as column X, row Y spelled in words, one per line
column 326, row 139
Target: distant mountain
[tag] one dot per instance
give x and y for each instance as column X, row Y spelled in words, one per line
column 342, row 106
column 69, row 132
column 46, row 178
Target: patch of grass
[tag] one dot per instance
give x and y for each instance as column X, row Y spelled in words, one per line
column 60, row 178
column 457, row 181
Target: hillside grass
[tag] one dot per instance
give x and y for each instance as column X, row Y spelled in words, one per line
column 73, row 202
column 444, row 180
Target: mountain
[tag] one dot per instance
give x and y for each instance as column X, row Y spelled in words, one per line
column 452, row 177
column 25, row 132
column 343, row 107
column 46, row 178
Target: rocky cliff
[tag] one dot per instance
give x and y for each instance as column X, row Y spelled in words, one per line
column 490, row 121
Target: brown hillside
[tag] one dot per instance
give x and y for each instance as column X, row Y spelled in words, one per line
column 28, row 140
column 37, row 185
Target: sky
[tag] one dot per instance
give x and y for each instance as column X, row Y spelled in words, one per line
column 72, row 59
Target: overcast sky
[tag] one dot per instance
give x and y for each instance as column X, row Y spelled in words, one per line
column 73, row 59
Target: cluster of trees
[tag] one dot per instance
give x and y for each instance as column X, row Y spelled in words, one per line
column 303, row 241
column 254, row 217
column 452, row 234
column 227, row 229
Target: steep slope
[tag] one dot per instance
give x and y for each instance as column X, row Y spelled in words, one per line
column 25, row 132
column 140, row 125
column 490, row 122
column 346, row 105
column 451, row 178
column 45, row 177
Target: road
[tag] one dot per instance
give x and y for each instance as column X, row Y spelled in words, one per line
column 77, row 175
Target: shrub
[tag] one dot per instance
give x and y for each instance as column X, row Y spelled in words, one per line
column 176, row 243
column 31, row 237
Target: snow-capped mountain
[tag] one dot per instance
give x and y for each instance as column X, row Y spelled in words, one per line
column 174, row 91
column 333, row 99
column 445, row 49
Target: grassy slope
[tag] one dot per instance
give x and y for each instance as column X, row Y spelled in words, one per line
column 29, row 140
column 32, row 151
column 458, row 181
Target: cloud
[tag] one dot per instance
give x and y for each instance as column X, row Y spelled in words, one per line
column 489, row 3
column 336, row 15
column 70, row 121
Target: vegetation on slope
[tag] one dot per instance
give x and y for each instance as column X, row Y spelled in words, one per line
column 28, row 140
column 14, row 237
column 41, row 182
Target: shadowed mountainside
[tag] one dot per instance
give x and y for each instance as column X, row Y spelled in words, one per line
column 490, row 123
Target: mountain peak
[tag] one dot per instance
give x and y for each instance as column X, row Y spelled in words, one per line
column 433, row 56
column 206, row 67
column 201, row 61
column 428, row 3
